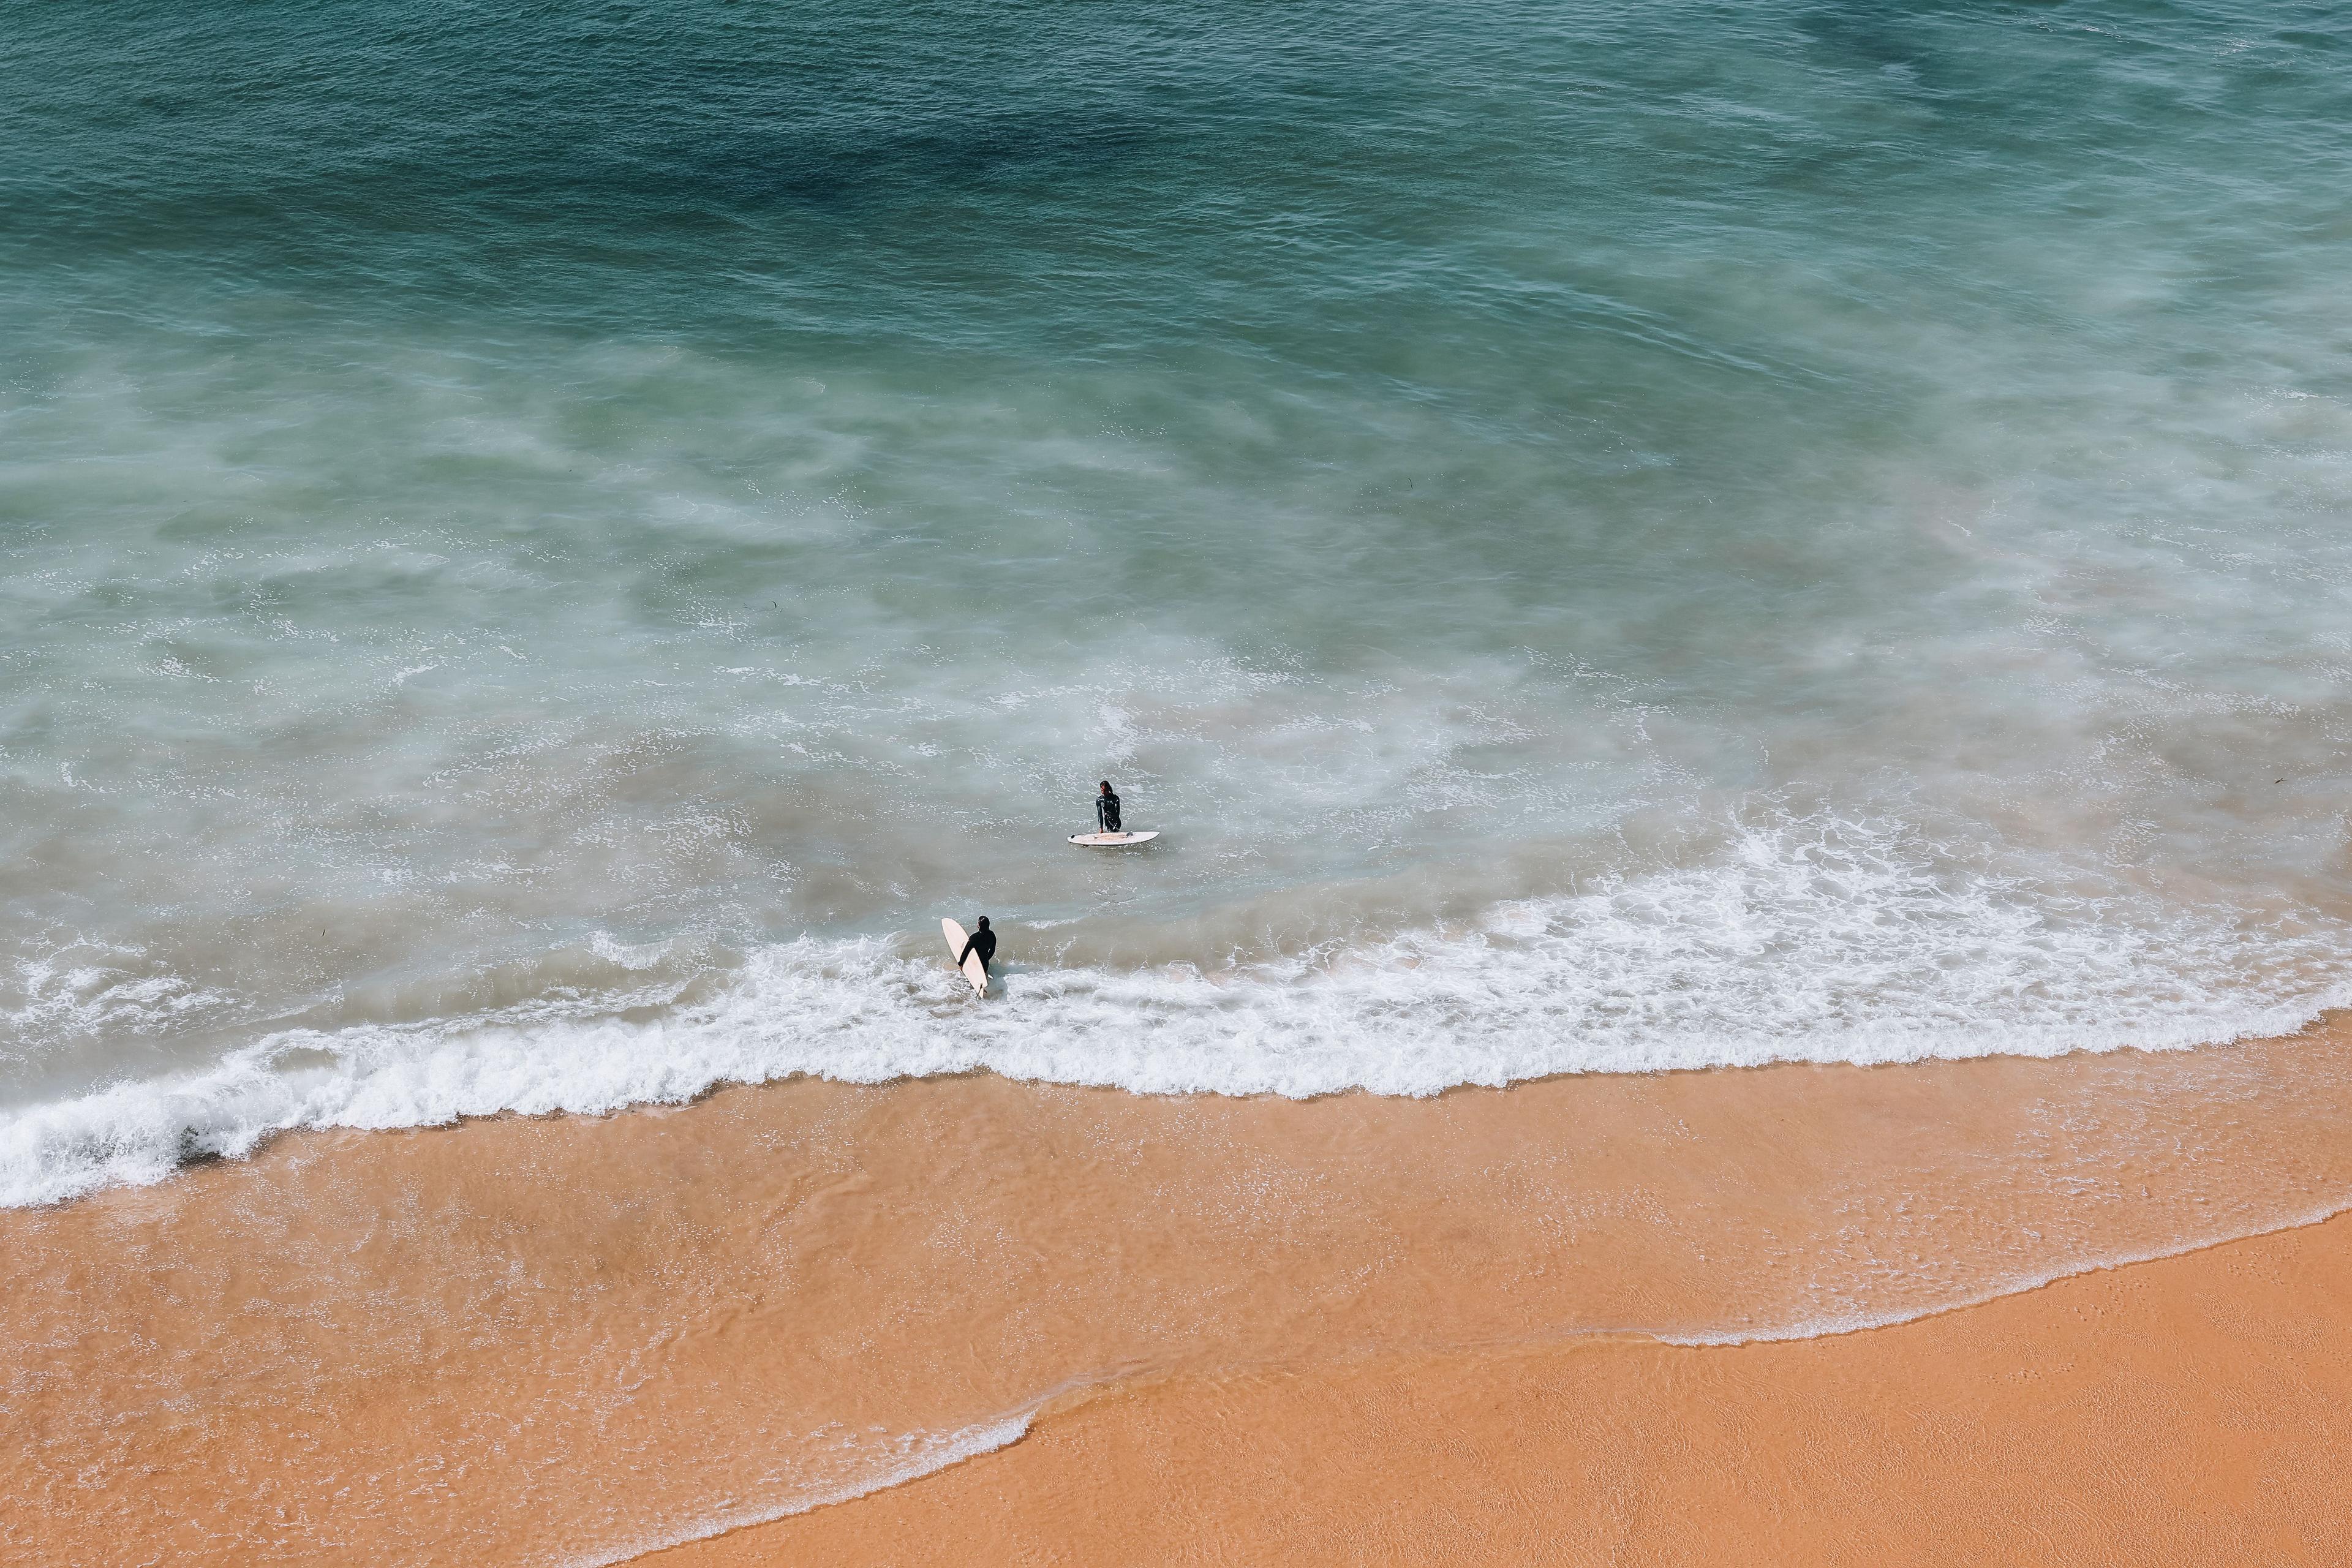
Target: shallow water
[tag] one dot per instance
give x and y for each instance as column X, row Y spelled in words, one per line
column 543, row 550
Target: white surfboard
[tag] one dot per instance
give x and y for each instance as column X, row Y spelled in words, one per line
column 973, row 970
column 1113, row 840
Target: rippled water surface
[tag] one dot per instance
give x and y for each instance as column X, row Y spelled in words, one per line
column 545, row 547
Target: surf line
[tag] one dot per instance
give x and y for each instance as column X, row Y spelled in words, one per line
column 987, row 1437
column 953, row 1448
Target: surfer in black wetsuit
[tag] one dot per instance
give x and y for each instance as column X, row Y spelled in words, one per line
column 1107, row 808
column 982, row 941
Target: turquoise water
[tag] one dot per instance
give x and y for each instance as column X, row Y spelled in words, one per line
column 544, row 548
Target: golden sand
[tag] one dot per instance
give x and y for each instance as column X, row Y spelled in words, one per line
column 2183, row 1411
column 575, row 1339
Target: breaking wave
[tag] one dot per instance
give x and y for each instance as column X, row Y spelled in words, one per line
column 1813, row 940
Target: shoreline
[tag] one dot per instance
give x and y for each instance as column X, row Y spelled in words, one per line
column 768, row 1536
column 260, row 1144
column 1301, row 1467
column 620, row 1329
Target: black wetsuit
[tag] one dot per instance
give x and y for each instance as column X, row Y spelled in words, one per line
column 1106, row 812
column 983, row 943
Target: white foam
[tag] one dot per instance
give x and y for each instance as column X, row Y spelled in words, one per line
column 94, row 988
column 1812, row 940
column 1829, row 1325
column 911, row 1456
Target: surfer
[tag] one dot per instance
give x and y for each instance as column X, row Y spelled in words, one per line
column 1107, row 808
column 983, row 943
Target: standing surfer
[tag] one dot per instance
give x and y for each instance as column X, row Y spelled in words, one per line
column 983, row 943
column 1111, row 836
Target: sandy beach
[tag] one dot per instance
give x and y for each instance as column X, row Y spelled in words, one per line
column 576, row 1340
column 2186, row 1410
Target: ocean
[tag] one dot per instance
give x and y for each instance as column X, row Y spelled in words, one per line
column 543, row 548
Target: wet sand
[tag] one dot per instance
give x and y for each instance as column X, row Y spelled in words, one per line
column 577, row 1340
column 2187, row 1410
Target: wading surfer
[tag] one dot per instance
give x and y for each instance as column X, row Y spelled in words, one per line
column 983, row 943
column 1107, row 808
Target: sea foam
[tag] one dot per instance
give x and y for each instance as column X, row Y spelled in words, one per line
column 1808, row 941
column 908, row 1458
